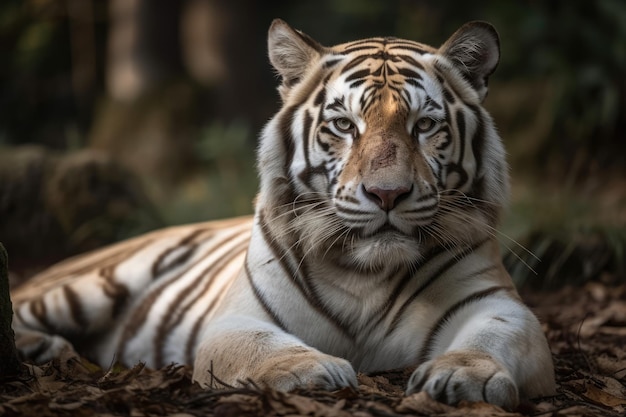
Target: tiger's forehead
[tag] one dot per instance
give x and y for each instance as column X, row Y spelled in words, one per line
column 379, row 58
column 380, row 73
column 389, row 45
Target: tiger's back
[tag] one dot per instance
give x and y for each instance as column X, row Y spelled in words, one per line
column 136, row 300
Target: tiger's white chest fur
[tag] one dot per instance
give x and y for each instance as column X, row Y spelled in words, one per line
column 376, row 319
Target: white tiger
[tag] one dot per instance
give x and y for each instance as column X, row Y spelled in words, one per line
column 372, row 246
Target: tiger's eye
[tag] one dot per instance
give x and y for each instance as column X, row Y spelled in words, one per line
column 344, row 124
column 424, row 125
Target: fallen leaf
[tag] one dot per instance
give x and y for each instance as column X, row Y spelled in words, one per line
column 615, row 314
column 422, row 404
column 611, row 395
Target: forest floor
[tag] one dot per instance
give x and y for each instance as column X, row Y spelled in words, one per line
column 586, row 328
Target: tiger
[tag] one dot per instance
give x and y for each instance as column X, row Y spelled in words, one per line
column 373, row 245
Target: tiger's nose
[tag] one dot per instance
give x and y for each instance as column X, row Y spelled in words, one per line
column 385, row 198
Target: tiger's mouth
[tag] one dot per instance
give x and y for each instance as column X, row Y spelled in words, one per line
column 385, row 247
column 388, row 227
column 385, row 231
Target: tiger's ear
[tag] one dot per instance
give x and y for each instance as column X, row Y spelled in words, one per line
column 475, row 50
column 291, row 51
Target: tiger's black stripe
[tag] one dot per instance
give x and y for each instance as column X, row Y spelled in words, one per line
column 310, row 171
column 306, row 173
column 280, row 254
column 170, row 321
column 353, row 63
column 353, row 49
column 452, row 310
column 385, row 308
column 158, row 269
column 358, row 75
column 320, row 97
column 285, row 122
column 431, row 104
column 404, row 281
column 337, row 104
column 411, row 61
column 319, row 305
column 409, row 74
column 448, row 138
column 373, row 42
column 182, row 305
column 410, row 48
column 429, row 207
column 142, row 311
column 76, row 308
column 39, row 311
column 264, row 304
column 119, row 293
column 195, row 330
column 104, row 260
column 285, row 134
column 478, row 139
column 328, row 64
column 453, row 261
column 460, row 123
column 405, row 99
column 355, row 84
column 297, row 278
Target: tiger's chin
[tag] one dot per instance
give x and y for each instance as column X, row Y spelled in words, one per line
column 384, row 250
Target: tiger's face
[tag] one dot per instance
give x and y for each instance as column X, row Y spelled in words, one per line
column 384, row 149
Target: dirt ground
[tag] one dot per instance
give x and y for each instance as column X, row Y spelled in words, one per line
column 586, row 327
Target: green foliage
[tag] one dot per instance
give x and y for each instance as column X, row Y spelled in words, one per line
column 557, row 236
column 225, row 142
column 225, row 183
column 35, row 73
column 552, row 258
column 580, row 46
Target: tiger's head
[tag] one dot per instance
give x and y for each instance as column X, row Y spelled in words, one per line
column 382, row 150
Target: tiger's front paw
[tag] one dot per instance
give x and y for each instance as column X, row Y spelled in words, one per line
column 283, row 370
column 303, row 368
column 469, row 376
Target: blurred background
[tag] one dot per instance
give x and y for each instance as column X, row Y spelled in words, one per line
column 121, row 116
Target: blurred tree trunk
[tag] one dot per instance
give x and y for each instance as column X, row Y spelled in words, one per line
column 145, row 119
column 83, row 53
column 143, row 46
column 174, row 67
column 203, row 40
column 224, row 47
column 9, row 364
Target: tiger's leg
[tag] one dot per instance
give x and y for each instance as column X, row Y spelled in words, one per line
column 34, row 339
column 491, row 351
column 239, row 349
column 53, row 320
column 41, row 347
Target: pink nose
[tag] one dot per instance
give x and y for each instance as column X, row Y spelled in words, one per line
column 386, row 199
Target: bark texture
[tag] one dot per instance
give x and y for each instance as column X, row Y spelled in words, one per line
column 10, row 363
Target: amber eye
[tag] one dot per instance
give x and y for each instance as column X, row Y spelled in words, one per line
column 423, row 125
column 344, row 125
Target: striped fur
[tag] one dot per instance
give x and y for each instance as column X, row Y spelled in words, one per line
column 372, row 247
